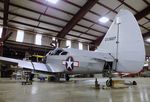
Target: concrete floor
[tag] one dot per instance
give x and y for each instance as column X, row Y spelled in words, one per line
column 80, row 90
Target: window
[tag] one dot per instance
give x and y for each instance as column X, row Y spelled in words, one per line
column 53, row 38
column 80, row 46
column 64, row 53
column 68, row 43
column 38, row 38
column 1, row 30
column 58, row 52
column 20, row 36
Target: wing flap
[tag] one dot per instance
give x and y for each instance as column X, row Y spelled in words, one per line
column 40, row 67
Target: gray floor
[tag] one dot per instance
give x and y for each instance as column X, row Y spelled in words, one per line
column 80, row 90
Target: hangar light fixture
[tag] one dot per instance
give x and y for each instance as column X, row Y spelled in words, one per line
column 148, row 40
column 52, row 1
column 103, row 19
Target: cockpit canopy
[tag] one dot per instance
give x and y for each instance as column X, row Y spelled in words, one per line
column 58, row 51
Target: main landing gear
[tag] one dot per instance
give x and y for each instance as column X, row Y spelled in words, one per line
column 107, row 72
column 109, row 81
column 67, row 77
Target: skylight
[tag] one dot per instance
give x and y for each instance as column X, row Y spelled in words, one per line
column 68, row 43
column 38, row 38
column 1, row 30
column 52, row 1
column 20, row 36
column 104, row 20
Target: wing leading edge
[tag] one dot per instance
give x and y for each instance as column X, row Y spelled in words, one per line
column 31, row 65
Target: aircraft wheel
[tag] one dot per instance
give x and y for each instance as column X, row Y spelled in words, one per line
column 67, row 77
column 134, row 83
column 109, row 83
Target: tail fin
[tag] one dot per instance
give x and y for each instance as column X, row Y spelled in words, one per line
column 125, row 43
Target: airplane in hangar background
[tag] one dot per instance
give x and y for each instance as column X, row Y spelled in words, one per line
column 121, row 50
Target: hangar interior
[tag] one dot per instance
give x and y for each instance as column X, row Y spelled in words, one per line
column 75, row 20
column 33, row 27
column 64, row 22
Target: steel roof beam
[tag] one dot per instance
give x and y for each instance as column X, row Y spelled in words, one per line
column 46, row 16
column 90, row 12
column 143, row 13
column 146, row 2
column 122, row 1
column 5, row 19
column 49, row 23
column 38, row 12
column 145, row 35
column 17, row 22
column 8, row 36
column 138, row 16
column 52, row 7
column 77, row 17
column 68, row 12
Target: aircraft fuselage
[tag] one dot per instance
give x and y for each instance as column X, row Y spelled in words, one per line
column 74, row 64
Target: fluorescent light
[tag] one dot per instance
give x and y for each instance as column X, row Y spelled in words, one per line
column 104, row 19
column 52, row 1
column 148, row 40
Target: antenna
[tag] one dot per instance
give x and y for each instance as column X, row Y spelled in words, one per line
column 118, row 22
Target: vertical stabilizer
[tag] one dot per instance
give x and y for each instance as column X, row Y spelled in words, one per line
column 125, row 43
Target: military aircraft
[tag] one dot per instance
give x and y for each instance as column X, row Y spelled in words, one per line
column 122, row 50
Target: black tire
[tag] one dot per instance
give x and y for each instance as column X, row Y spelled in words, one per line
column 67, row 77
column 109, row 83
column 134, row 83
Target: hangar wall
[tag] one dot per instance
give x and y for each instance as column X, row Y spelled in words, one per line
column 46, row 40
column 75, row 45
column 147, row 50
column 13, row 36
column 62, row 44
column 29, row 38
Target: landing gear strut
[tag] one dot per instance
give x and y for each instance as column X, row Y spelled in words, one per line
column 109, row 81
column 67, row 77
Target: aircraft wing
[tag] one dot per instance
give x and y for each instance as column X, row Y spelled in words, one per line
column 9, row 60
column 51, row 68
